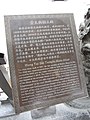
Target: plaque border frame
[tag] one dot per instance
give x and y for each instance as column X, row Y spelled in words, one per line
column 83, row 92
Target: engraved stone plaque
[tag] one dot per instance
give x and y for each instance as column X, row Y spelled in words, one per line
column 44, row 60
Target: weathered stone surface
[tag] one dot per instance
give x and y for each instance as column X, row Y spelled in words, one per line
column 43, row 112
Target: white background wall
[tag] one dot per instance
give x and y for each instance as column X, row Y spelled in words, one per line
column 17, row 7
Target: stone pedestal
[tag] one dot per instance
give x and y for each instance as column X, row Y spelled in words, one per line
column 48, row 111
column 81, row 103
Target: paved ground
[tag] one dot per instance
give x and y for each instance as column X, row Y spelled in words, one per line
column 76, row 110
column 63, row 112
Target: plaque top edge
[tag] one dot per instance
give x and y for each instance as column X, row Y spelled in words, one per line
column 37, row 15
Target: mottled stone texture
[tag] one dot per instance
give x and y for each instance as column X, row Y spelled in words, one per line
column 84, row 37
column 63, row 112
column 43, row 112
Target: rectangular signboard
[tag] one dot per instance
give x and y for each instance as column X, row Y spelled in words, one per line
column 44, row 60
